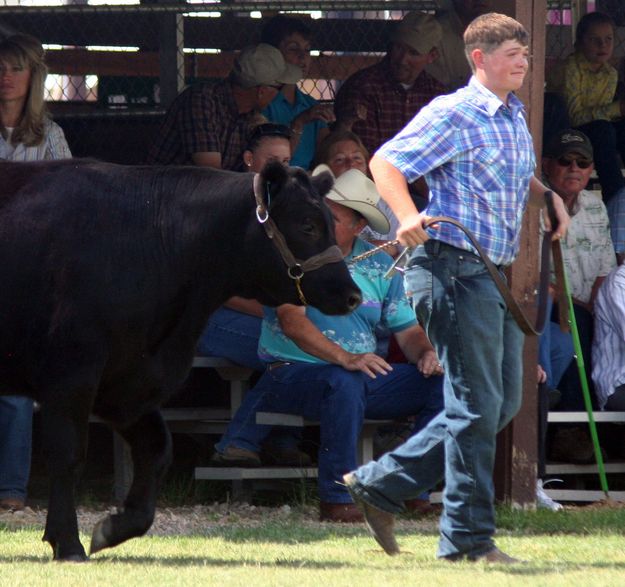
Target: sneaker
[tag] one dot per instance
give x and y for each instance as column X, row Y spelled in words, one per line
column 543, row 501
column 234, row 456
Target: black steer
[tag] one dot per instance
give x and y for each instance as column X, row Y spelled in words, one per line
column 109, row 274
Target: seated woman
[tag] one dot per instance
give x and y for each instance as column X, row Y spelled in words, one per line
column 342, row 150
column 233, row 330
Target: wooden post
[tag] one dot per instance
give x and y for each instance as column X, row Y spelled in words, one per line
column 518, row 444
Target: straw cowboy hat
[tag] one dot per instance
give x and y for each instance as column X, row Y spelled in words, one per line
column 353, row 189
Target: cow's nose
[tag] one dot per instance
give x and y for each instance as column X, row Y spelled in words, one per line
column 354, row 301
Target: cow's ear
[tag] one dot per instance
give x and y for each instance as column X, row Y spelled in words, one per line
column 274, row 175
column 323, row 182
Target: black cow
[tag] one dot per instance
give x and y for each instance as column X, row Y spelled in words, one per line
column 109, row 274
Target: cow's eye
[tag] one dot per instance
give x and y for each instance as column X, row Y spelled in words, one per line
column 309, row 228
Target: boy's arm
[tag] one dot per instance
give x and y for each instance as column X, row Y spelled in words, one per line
column 537, row 199
column 393, row 188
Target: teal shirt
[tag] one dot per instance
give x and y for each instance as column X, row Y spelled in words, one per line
column 384, row 302
column 281, row 111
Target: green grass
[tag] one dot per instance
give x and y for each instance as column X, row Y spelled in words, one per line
column 575, row 547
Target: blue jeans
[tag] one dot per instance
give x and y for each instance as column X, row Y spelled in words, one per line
column 480, row 347
column 16, row 421
column 234, row 336
column 340, row 400
column 555, row 349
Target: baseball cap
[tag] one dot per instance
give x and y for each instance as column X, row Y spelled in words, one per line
column 418, row 30
column 353, row 189
column 569, row 141
column 263, row 65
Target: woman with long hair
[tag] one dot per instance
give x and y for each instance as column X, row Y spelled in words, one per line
column 26, row 134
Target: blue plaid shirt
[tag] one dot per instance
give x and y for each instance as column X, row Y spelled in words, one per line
column 477, row 156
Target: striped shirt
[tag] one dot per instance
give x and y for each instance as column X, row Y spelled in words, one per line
column 608, row 346
column 53, row 146
column 477, row 156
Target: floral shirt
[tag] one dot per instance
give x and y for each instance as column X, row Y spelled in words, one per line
column 384, row 303
column 587, row 248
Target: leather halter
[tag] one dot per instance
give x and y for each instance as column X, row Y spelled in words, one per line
column 295, row 267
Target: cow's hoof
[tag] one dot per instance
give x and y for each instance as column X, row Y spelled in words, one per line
column 73, row 558
column 70, row 557
column 99, row 540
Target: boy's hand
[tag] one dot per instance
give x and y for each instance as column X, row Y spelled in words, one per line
column 562, row 216
column 411, row 232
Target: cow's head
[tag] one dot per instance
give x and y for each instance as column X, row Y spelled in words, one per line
column 294, row 202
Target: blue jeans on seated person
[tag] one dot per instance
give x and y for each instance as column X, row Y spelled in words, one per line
column 340, row 400
column 555, row 349
column 480, row 346
column 234, row 336
column 16, row 421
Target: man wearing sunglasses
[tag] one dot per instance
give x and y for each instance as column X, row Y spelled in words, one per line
column 589, row 256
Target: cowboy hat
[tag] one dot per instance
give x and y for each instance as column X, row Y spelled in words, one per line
column 353, row 189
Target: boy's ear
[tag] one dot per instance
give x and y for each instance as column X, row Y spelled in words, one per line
column 477, row 55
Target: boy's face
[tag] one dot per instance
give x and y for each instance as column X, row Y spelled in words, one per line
column 502, row 70
column 598, row 43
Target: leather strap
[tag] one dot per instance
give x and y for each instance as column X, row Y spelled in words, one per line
column 521, row 319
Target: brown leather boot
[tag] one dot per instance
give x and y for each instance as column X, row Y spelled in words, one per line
column 347, row 513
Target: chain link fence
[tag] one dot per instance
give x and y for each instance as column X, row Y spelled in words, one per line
column 116, row 64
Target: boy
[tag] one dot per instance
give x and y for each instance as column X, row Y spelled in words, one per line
column 476, row 153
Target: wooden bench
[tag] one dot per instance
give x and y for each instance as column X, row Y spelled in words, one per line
column 558, row 469
column 242, row 477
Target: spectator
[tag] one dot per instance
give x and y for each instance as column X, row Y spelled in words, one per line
column 207, row 124
column 589, row 86
column 233, row 330
column 588, row 257
column 26, row 134
column 382, row 98
column 342, row 150
column 325, row 368
column 608, row 348
column 451, row 68
column 477, row 154
column 306, row 117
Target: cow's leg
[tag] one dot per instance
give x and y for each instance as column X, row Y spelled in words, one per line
column 64, row 430
column 150, row 445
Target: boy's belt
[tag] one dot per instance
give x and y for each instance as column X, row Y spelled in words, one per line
column 543, row 291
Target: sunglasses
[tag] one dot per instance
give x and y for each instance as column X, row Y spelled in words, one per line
column 581, row 163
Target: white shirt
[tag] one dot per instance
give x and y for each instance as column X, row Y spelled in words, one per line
column 608, row 347
column 54, row 146
column 587, row 248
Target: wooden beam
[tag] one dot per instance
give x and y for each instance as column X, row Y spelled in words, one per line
column 198, row 65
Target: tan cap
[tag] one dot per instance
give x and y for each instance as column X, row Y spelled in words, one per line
column 418, row 30
column 353, row 189
column 263, row 65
